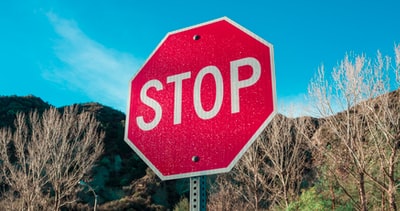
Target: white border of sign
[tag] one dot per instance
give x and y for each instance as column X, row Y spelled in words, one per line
column 252, row 139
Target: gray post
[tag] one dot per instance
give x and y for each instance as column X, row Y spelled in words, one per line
column 198, row 193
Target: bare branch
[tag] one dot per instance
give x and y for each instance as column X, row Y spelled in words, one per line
column 46, row 155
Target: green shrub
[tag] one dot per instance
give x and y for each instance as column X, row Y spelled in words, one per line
column 310, row 200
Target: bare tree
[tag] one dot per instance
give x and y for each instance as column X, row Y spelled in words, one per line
column 286, row 149
column 347, row 147
column 385, row 137
column 383, row 125
column 224, row 194
column 255, row 181
column 45, row 156
column 269, row 173
column 246, row 187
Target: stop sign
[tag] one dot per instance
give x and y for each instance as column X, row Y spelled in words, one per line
column 200, row 100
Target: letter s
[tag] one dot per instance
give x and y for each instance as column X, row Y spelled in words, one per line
column 145, row 126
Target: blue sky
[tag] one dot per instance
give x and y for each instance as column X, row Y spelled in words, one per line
column 86, row 51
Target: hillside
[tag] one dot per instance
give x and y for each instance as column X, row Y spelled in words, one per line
column 123, row 181
column 10, row 105
column 119, row 169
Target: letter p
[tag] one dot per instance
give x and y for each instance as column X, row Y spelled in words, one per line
column 236, row 84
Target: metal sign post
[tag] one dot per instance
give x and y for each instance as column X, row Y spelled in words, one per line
column 198, row 193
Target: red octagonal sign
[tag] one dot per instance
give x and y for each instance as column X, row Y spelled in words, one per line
column 200, row 100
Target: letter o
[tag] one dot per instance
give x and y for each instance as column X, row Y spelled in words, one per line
column 219, row 90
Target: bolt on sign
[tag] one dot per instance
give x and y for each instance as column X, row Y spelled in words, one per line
column 201, row 99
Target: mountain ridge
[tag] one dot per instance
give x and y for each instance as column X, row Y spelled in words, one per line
column 123, row 181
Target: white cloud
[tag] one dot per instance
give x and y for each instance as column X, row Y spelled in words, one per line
column 302, row 105
column 101, row 73
column 295, row 106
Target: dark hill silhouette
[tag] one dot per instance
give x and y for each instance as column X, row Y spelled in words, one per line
column 116, row 170
column 10, row 105
column 121, row 179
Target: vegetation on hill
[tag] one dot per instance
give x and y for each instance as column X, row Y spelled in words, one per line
column 118, row 176
column 348, row 157
column 45, row 155
column 123, row 181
